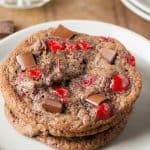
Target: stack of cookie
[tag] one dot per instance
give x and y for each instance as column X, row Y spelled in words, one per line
column 69, row 90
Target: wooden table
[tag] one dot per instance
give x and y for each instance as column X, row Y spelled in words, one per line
column 111, row 11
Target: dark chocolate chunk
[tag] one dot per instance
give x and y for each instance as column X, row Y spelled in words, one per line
column 52, row 106
column 26, row 60
column 109, row 54
column 63, row 32
column 6, row 28
column 96, row 99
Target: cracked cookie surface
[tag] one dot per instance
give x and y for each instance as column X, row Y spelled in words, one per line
column 68, row 71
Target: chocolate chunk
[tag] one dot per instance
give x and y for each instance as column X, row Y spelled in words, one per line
column 52, row 106
column 63, row 32
column 96, row 99
column 109, row 54
column 26, row 60
column 38, row 47
column 6, row 28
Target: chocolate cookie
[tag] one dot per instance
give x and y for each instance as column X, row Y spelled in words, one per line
column 62, row 80
column 92, row 142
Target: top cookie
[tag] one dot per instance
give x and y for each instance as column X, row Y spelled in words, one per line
column 71, row 81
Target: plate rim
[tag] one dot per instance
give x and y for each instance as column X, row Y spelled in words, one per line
column 73, row 20
column 141, row 5
column 136, row 10
column 126, row 36
column 24, row 7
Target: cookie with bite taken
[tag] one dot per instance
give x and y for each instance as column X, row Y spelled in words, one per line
column 70, row 85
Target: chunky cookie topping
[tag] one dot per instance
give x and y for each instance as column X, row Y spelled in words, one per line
column 119, row 83
column 69, row 69
column 131, row 60
column 104, row 111
column 26, row 61
column 35, row 73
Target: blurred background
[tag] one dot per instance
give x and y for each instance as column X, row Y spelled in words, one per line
column 110, row 11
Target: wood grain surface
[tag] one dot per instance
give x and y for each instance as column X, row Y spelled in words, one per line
column 111, row 11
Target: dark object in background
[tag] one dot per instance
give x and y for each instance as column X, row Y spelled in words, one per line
column 6, row 27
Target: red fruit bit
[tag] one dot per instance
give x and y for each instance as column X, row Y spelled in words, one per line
column 84, row 45
column 104, row 111
column 131, row 60
column 35, row 73
column 70, row 46
column 106, row 39
column 119, row 83
column 89, row 81
column 61, row 92
column 55, row 45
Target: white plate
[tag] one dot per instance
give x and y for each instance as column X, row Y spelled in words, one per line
column 22, row 4
column 136, row 8
column 137, row 133
column 142, row 4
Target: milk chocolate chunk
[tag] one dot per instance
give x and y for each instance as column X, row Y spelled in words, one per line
column 6, row 28
column 52, row 106
column 26, row 60
column 96, row 99
column 63, row 32
column 109, row 54
column 38, row 47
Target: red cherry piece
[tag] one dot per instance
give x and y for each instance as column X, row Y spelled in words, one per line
column 104, row 111
column 61, row 92
column 106, row 39
column 131, row 60
column 70, row 46
column 35, row 73
column 89, row 81
column 119, row 83
column 84, row 45
column 55, row 45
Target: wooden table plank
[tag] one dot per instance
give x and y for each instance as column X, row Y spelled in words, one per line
column 138, row 24
column 23, row 18
column 132, row 21
column 111, row 11
column 120, row 11
column 87, row 9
